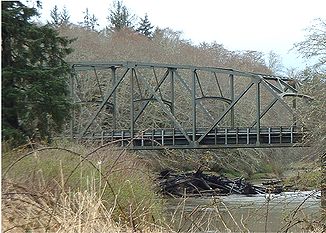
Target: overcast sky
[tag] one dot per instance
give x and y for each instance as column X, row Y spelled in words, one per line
column 260, row 25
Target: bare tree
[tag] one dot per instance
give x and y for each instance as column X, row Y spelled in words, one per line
column 274, row 62
column 314, row 45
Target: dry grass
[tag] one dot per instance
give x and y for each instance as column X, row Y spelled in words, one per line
column 25, row 211
column 74, row 188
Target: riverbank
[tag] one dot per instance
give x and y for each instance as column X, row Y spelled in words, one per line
column 68, row 187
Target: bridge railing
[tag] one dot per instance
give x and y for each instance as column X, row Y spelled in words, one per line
column 192, row 106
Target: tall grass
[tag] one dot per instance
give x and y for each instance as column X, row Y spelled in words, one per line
column 77, row 188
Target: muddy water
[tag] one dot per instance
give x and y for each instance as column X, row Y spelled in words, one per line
column 238, row 213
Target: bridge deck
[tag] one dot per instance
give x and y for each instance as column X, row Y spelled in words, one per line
column 216, row 138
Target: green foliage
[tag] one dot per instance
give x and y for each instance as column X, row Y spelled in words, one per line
column 59, row 18
column 34, row 90
column 89, row 22
column 119, row 17
column 65, row 17
column 305, row 179
column 145, row 27
column 55, row 16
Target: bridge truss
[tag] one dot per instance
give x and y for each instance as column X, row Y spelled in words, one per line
column 155, row 106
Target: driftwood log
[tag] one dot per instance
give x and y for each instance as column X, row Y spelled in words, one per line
column 201, row 184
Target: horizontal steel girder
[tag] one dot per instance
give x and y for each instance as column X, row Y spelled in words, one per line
column 110, row 97
column 216, row 138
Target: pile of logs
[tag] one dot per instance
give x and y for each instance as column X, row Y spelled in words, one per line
column 201, row 184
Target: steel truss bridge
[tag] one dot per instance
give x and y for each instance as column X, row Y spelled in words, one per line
column 156, row 106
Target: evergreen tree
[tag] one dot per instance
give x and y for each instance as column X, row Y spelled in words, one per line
column 59, row 19
column 119, row 17
column 65, row 17
column 145, row 27
column 90, row 21
column 55, row 17
column 34, row 75
column 93, row 23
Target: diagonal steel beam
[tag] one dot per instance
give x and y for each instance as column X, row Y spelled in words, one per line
column 155, row 90
column 277, row 97
column 275, row 88
column 78, row 98
column 227, row 110
column 289, row 86
column 98, row 83
column 218, row 84
column 165, row 109
column 103, row 103
column 267, row 108
column 185, row 85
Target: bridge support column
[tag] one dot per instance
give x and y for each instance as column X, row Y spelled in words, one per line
column 114, row 99
column 72, row 120
column 172, row 94
column 258, row 112
column 193, row 99
column 232, row 98
column 132, row 107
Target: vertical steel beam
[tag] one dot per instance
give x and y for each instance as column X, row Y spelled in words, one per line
column 277, row 96
column 73, row 117
column 258, row 112
column 226, row 111
column 218, row 84
column 98, row 83
column 172, row 93
column 193, row 99
column 232, row 98
column 132, row 105
column 185, row 85
column 166, row 74
column 114, row 98
column 99, row 109
column 165, row 109
column 294, row 106
column 265, row 110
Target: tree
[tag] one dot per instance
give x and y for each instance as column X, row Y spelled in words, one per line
column 145, row 27
column 55, row 16
column 65, row 17
column 90, row 21
column 314, row 45
column 314, row 80
column 34, row 84
column 59, row 19
column 119, row 17
column 274, row 62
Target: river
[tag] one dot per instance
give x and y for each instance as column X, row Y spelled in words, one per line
column 238, row 213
